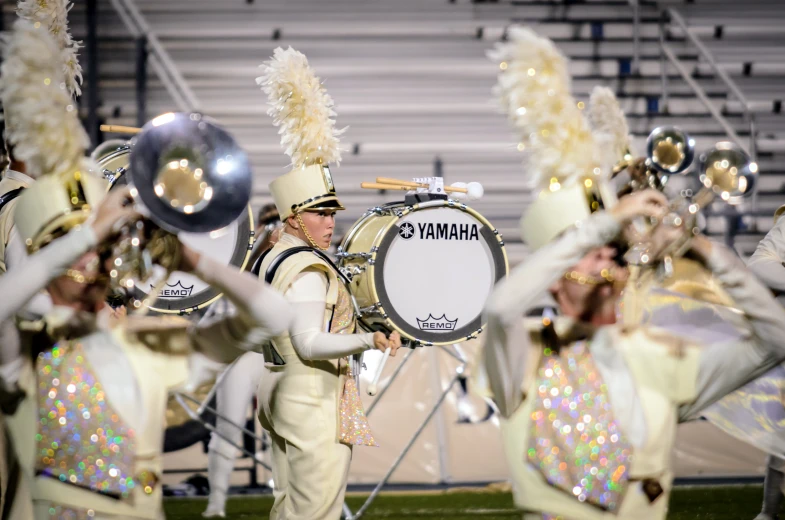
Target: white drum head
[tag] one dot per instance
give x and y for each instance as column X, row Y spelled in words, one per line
column 184, row 292
column 435, row 270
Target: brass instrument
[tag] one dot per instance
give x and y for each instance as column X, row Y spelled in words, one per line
column 186, row 174
column 669, row 151
column 727, row 172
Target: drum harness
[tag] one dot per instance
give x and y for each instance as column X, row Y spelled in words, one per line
column 268, row 350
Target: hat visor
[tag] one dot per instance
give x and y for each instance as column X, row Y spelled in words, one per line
column 331, row 202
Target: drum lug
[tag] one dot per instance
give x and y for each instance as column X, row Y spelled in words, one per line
column 372, row 309
column 341, row 254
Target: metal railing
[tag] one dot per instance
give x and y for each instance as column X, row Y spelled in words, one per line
column 729, row 83
column 670, row 15
column 159, row 58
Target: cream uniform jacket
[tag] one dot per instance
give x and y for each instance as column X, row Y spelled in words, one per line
column 88, row 432
column 653, row 379
column 298, row 400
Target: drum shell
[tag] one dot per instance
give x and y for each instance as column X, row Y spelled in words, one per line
column 369, row 233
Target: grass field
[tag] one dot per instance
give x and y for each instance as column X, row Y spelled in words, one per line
column 699, row 503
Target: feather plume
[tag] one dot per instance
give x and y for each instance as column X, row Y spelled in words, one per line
column 533, row 88
column 53, row 15
column 301, row 108
column 610, row 126
column 41, row 120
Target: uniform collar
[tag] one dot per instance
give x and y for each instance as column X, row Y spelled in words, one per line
column 292, row 240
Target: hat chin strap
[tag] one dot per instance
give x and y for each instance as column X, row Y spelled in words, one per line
column 307, row 234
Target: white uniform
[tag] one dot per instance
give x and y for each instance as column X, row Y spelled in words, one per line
column 89, row 431
column 636, row 385
column 299, row 400
column 233, row 397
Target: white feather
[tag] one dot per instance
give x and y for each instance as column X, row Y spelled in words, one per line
column 609, row 125
column 301, row 108
column 533, row 88
column 41, row 119
column 53, row 15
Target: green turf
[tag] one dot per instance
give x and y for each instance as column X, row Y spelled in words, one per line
column 708, row 503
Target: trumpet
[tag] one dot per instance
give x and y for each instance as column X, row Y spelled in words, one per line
column 186, row 174
column 669, row 151
column 727, row 173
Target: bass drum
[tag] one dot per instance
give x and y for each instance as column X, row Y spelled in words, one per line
column 424, row 270
column 183, row 292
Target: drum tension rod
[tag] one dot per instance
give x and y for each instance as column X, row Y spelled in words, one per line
column 342, row 254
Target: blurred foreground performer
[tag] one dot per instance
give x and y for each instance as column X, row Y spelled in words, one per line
column 590, row 407
column 308, row 395
column 756, row 413
column 52, row 15
column 87, row 420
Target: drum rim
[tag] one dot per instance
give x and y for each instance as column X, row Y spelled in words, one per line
column 242, row 251
column 386, row 308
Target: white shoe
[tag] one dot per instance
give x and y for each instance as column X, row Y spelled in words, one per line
column 764, row 516
column 214, row 513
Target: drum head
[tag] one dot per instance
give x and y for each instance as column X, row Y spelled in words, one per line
column 185, row 292
column 435, row 269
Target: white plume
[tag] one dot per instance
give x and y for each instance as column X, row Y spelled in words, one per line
column 301, row 108
column 53, row 15
column 609, row 125
column 533, row 88
column 41, row 120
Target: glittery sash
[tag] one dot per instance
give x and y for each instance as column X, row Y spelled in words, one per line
column 354, row 427
column 575, row 441
column 81, row 439
column 355, row 430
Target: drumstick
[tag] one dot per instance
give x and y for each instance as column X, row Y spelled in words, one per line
column 378, row 186
column 448, row 189
column 372, row 389
column 120, row 129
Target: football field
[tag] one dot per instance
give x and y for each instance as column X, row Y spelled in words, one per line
column 687, row 503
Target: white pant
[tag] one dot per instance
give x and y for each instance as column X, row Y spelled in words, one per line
column 237, row 389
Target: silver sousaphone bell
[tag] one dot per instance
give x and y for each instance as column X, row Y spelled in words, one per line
column 187, row 174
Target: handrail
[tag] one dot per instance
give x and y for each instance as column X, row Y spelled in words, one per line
column 703, row 97
column 735, row 90
column 162, row 64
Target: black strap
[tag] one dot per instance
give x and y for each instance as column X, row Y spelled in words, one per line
column 281, row 258
column 8, row 197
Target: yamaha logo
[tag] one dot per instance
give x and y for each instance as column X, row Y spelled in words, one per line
column 177, row 290
column 438, row 231
column 406, row 231
column 431, row 323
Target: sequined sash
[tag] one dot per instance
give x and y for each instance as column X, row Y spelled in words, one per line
column 81, row 439
column 354, row 429
column 575, row 440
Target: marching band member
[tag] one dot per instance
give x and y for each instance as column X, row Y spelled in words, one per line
column 87, row 427
column 53, row 15
column 15, row 178
column 756, row 413
column 690, row 303
column 308, row 399
column 590, row 407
